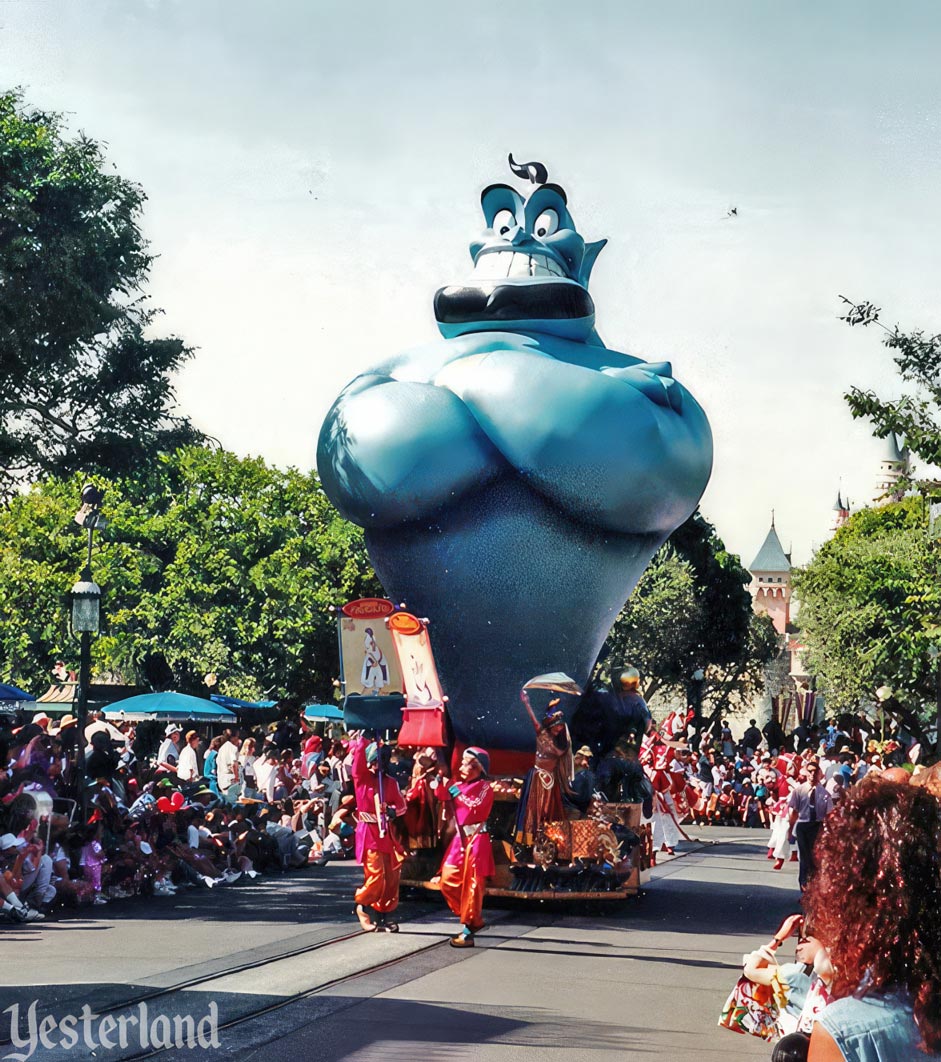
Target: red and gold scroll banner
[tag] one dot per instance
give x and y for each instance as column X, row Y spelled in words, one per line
column 423, row 715
column 417, row 664
column 370, row 665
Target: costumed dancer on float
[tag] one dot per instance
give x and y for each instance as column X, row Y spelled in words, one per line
column 423, row 817
column 468, row 861
column 550, row 776
column 378, row 799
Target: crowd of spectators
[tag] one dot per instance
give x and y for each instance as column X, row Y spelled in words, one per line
column 748, row 782
column 198, row 813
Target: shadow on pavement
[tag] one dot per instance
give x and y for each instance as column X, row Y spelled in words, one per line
column 395, row 1029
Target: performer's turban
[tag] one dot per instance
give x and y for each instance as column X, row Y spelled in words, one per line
column 481, row 756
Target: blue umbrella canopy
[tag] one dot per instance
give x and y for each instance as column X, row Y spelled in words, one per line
column 13, row 693
column 168, row 707
column 323, row 711
column 237, row 702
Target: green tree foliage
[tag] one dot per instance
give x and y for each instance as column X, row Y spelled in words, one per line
column 916, row 413
column 692, row 609
column 217, row 564
column 911, row 627
column 83, row 384
column 867, row 602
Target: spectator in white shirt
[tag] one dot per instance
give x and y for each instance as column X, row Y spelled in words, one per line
column 266, row 772
column 187, row 769
column 227, row 767
column 98, row 723
column 168, row 754
column 247, row 766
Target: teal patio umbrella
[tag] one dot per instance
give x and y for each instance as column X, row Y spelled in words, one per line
column 170, row 707
column 329, row 712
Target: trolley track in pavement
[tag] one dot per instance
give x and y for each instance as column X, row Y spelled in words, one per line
column 108, row 991
column 280, row 971
column 289, row 1000
column 197, row 981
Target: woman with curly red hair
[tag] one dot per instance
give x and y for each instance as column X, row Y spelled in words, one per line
column 875, row 902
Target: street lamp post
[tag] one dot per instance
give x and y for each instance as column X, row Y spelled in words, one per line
column 883, row 693
column 85, row 607
column 695, row 690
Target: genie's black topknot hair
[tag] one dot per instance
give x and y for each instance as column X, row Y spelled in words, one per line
column 530, row 171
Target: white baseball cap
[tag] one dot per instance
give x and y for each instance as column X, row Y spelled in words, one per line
column 10, row 840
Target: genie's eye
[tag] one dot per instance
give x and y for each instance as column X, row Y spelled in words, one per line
column 503, row 222
column 546, row 224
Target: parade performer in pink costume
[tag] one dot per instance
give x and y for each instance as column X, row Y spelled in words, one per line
column 378, row 799
column 468, row 861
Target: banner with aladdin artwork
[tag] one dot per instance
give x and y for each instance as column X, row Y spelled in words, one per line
column 413, row 648
column 370, row 666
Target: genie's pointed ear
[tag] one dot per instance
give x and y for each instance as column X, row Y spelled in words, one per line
column 592, row 250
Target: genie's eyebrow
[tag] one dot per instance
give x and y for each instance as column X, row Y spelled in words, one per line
column 557, row 188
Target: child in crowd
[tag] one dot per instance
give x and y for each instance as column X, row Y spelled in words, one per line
column 92, row 860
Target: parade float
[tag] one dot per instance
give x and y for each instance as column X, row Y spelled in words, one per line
column 513, row 479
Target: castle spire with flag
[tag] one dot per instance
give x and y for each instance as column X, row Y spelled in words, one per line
column 841, row 510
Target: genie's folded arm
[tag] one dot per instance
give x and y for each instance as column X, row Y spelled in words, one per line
column 607, row 438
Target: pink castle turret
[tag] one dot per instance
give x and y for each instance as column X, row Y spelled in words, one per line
column 771, row 581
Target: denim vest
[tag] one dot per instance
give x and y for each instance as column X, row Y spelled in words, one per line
column 798, row 981
column 875, row 1028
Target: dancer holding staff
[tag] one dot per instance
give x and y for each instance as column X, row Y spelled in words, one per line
column 378, row 798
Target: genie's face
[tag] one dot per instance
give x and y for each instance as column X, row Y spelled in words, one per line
column 536, row 238
column 531, row 270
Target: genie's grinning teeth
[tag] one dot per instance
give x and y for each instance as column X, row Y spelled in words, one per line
column 496, row 265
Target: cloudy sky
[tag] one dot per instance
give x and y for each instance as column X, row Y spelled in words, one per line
column 313, row 171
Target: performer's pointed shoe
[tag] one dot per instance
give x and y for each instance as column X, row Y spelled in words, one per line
column 462, row 940
column 384, row 925
column 364, row 920
column 778, row 864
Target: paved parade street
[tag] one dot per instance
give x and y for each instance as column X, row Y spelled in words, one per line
column 642, row 979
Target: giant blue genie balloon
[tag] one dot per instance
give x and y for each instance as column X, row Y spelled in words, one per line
column 515, row 478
